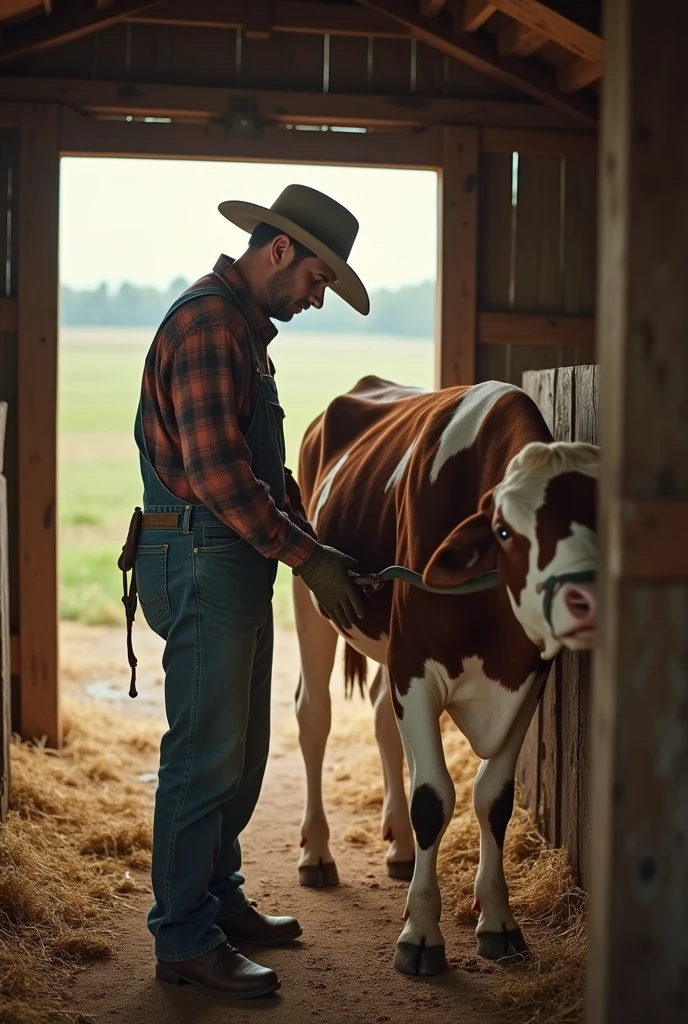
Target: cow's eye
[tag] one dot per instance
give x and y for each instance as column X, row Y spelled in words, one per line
column 503, row 533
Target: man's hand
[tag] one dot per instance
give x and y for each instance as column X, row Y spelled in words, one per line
column 326, row 573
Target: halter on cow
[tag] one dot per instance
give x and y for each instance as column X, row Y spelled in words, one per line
column 452, row 486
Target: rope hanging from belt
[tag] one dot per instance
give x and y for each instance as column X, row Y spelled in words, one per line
column 127, row 562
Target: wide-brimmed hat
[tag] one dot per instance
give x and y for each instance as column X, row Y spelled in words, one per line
column 317, row 221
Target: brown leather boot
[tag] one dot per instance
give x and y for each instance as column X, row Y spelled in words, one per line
column 223, row 972
column 252, row 928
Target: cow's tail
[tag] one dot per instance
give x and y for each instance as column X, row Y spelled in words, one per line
column 355, row 671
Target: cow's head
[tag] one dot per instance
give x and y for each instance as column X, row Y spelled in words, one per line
column 538, row 527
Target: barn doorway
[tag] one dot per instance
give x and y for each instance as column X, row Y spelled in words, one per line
column 133, row 234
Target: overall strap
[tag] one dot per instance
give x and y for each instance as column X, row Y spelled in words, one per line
column 222, row 291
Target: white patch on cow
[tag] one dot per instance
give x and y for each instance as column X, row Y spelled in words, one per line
column 482, row 709
column 464, row 426
column 327, row 487
column 518, row 497
column 522, row 491
column 398, row 473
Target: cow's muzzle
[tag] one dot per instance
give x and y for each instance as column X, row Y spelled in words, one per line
column 578, row 592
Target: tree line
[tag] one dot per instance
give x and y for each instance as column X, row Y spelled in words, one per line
column 407, row 311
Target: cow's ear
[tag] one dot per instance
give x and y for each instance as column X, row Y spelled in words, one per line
column 468, row 551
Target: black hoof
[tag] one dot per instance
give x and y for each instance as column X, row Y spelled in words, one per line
column 318, row 876
column 420, row 961
column 503, row 945
column 402, row 870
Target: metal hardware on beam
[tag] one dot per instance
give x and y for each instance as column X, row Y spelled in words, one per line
column 243, row 119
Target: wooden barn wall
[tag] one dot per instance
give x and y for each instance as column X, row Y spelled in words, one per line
column 536, row 255
column 230, row 57
column 9, row 463
column 554, row 766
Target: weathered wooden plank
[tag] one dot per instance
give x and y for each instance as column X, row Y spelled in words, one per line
column 538, row 143
column 528, row 765
column 491, row 363
column 457, row 269
column 580, row 234
column 549, row 806
column 8, row 394
column 541, row 386
column 5, row 654
column 536, row 329
column 538, row 282
column 37, row 296
column 350, row 64
column 391, row 71
column 283, row 62
column 495, row 232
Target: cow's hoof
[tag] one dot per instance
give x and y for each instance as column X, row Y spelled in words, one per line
column 502, row 945
column 402, row 870
column 420, row 961
column 318, row 876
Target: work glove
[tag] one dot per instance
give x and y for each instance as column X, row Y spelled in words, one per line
column 326, row 574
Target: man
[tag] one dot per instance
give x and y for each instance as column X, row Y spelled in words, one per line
column 220, row 511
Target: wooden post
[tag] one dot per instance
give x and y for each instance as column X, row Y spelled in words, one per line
column 457, row 258
column 37, row 297
column 5, row 657
column 639, row 828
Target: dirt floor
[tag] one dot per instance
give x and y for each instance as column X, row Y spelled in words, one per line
column 341, row 970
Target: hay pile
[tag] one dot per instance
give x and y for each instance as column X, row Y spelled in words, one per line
column 544, row 898
column 79, row 821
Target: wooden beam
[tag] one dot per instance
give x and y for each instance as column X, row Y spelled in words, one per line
column 638, row 948
column 8, row 314
column 5, row 642
column 64, row 26
column 642, row 540
column 472, row 15
column 431, row 8
column 516, row 40
column 535, row 79
column 457, row 258
column 536, row 329
column 335, row 19
column 554, row 26
column 537, row 143
column 578, row 74
column 82, row 136
column 203, row 104
column 37, row 296
column 15, row 654
column 258, row 19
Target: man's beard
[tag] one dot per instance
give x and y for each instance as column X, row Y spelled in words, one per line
column 280, row 295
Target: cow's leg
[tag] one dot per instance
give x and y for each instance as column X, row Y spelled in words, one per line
column 497, row 933
column 396, row 824
column 420, row 948
column 317, row 646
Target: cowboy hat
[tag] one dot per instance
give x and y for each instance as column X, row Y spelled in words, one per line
column 318, row 222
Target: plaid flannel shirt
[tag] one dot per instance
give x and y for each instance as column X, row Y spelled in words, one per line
column 198, row 396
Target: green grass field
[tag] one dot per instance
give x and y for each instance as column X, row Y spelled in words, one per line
column 99, row 484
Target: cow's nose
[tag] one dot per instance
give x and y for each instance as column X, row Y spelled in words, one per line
column 581, row 602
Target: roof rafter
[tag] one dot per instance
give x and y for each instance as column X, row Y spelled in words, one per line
column 64, row 26
column 536, row 80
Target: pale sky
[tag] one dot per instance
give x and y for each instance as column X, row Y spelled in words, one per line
column 149, row 221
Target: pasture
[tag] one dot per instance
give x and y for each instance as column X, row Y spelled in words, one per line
column 98, row 477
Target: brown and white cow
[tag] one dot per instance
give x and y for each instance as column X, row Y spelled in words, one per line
column 451, row 484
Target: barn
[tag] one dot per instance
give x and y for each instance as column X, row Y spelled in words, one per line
column 569, row 282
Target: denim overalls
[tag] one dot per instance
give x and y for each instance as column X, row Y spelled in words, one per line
column 208, row 593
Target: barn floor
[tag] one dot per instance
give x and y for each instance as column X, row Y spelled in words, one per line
column 342, row 968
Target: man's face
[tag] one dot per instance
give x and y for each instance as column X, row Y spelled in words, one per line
column 296, row 287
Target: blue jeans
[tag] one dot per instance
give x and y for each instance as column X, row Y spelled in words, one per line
column 208, row 594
